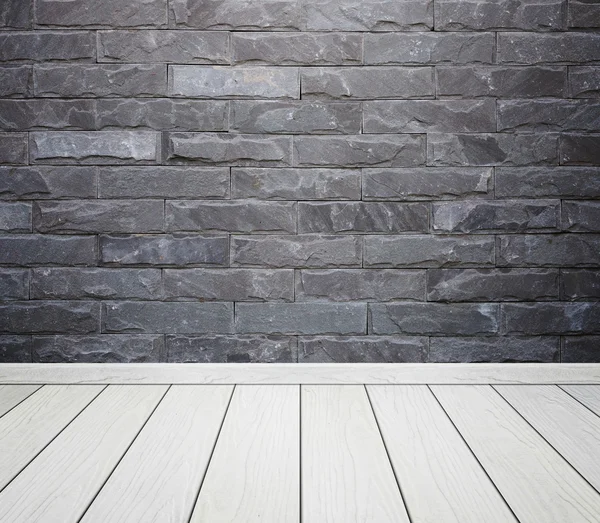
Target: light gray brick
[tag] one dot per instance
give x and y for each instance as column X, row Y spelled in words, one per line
column 167, row 317
column 580, row 149
column 240, row 82
column 14, row 284
column 581, row 349
column 581, row 216
column 531, row 48
column 165, row 250
column 584, row 82
column 44, row 182
column 296, row 184
column 15, row 217
column 360, row 285
column 16, row 81
column 548, row 115
column 25, row 115
column 40, row 46
column 15, row 349
column 551, row 318
column 13, row 148
column 301, row 318
column 229, row 284
column 296, row 251
column 15, row 14
column 428, row 251
column 77, row 317
column 433, row 318
column 34, row 249
column 384, row 150
column 584, row 14
column 427, row 183
column 580, row 284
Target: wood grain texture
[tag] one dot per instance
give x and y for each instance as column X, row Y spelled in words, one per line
column 34, row 423
column 12, row 395
column 538, row 484
column 440, row 478
column 159, row 477
column 254, row 473
column 60, row 483
column 589, row 395
column 293, row 373
column 346, row 474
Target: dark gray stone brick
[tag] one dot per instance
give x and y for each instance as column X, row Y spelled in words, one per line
column 360, row 285
column 240, row 82
column 231, row 216
column 433, row 318
column 581, row 349
column 580, row 149
column 232, row 14
column 296, row 251
column 44, row 182
column 412, row 116
column 228, row 149
column 162, row 114
column 296, row 48
column 584, row 14
column 193, row 47
column 584, row 82
column 503, row 349
column 89, row 216
column 91, row 80
column 15, row 349
column 362, row 83
column 15, row 14
column 301, row 318
column 429, row 48
column 16, row 81
column 75, row 284
column 384, row 150
column 580, row 284
column 231, row 349
column 531, row 48
column 296, row 184
column 428, row 251
column 113, row 348
column 501, row 82
column 165, row 250
column 581, row 216
column 548, row 115
column 544, row 182
column 167, row 317
column 362, row 217
column 453, row 285
column 229, row 285
column 461, row 15
column 295, row 117
column 47, row 46
column 362, row 349
column 368, row 15
column 102, row 148
column 485, row 216
column 427, row 183
column 91, row 13
column 551, row 318
column 23, row 317
column 15, row 217
column 13, row 148
column 34, row 249
column 163, row 182
column 14, row 284
column 25, row 115
column 570, row 250
column 492, row 149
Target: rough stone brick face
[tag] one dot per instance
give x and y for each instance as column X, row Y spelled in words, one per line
column 14, row 284
column 36, row 249
column 531, row 48
column 15, row 14
column 13, row 148
column 580, row 284
column 15, row 217
column 580, row 349
column 16, row 81
column 584, row 82
column 47, row 182
column 15, row 349
column 38, row 47
column 29, row 115
column 77, row 317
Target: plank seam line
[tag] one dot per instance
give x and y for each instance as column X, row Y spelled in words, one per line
column 410, row 519
column 55, row 437
column 212, row 452
column 579, row 401
column 544, row 438
column 124, row 454
column 25, row 398
column 474, row 455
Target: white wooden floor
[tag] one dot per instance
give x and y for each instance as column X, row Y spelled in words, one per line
column 452, row 451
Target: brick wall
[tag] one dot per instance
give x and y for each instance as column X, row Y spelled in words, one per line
column 299, row 180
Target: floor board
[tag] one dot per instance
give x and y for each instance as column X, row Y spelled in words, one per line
column 589, row 395
column 12, row 395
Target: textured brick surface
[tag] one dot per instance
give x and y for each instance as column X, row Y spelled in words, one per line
column 299, row 181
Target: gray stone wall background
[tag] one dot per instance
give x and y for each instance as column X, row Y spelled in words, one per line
column 300, row 180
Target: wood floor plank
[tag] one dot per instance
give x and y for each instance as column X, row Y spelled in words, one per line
column 159, row 477
column 34, row 423
column 572, row 429
column 254, row 473
column 346, row 474
column 12, row 395
column 538, row 484
column 589, row 395
column 440, row 478
column 60, row 483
